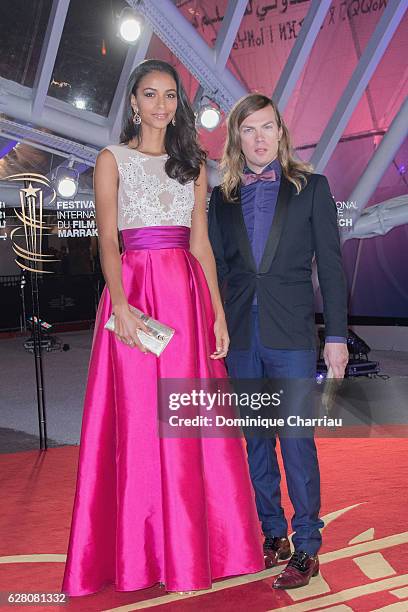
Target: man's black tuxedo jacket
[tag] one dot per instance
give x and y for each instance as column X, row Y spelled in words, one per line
column 304, row 225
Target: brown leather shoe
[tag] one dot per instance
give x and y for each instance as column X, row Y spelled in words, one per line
column 275, row 549
column 298, row 571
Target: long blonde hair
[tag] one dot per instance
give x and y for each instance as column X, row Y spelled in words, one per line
column 233, row 161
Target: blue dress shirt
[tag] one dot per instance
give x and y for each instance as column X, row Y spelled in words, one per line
column 258, row 201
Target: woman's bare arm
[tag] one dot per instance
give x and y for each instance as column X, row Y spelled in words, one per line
column 106, row 181
column 200, row 247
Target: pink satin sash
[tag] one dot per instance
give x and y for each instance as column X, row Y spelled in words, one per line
column 157, row 237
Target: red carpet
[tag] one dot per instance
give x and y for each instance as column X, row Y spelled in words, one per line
column 365, row 575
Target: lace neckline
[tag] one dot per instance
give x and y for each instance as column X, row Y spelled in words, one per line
column 145, row 154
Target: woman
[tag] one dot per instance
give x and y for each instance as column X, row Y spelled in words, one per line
column 150, row 509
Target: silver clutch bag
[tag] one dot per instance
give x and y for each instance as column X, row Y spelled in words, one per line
column 160, row 334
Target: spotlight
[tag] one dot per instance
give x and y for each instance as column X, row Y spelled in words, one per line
column 356, row 346
column 208, row 117
column 130, row 26
column 66, row 180
column 79, row 103
column 320, row 378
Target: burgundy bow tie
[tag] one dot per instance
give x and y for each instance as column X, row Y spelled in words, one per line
column 248, row 179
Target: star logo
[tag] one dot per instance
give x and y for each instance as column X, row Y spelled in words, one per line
column 32, row 218
column 30, row 191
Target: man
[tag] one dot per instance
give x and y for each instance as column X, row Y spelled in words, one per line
column 267, row 220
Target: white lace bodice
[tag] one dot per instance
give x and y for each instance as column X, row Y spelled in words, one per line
column 147, row 196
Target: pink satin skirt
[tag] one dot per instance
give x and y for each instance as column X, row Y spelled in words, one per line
column 179, row 511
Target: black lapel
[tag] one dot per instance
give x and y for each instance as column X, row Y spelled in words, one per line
column 241, row 233
column 284, row 195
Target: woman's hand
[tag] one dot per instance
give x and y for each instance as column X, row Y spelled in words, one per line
column 126, row 325
column 221, row 338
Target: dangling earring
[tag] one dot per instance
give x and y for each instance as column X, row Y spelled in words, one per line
column 137, row 120
column 173, row 121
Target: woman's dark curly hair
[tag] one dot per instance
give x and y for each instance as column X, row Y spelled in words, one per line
column 185, row 154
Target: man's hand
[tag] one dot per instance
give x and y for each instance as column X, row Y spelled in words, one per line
column 336, row 357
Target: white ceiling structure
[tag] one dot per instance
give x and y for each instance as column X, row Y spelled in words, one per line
column 23, row 107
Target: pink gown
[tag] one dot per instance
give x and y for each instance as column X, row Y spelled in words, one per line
column 147, row 509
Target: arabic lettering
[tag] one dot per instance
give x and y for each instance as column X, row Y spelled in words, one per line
column 287, row 30
column 262, row 11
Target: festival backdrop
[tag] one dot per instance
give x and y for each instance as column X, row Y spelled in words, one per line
column 376, row 266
